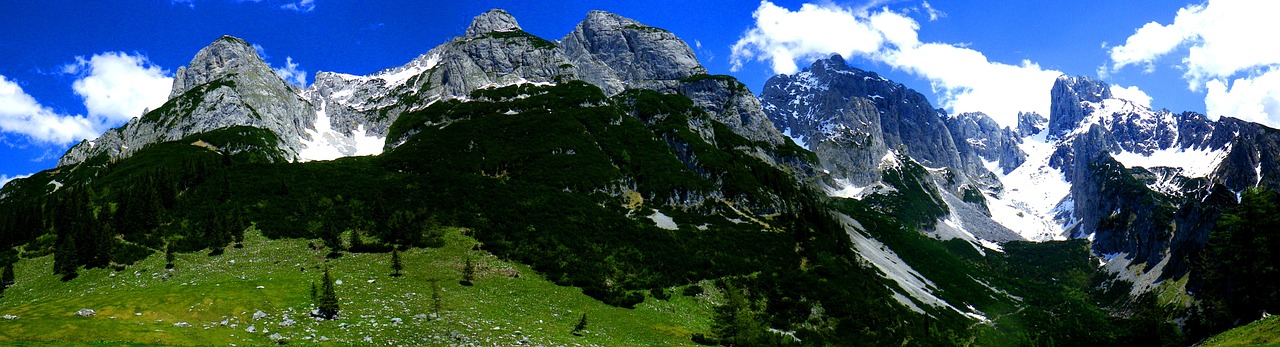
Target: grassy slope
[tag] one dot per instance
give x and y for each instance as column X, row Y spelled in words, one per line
column 138, row 305
column 1263, row 332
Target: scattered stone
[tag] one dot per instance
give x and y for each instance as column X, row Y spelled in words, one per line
column 259, row 315
column 182, row 324
column 86, row 312
column 324, row 338
column 10, row 317
column 368, row 339
column 396, row 320
column 251, row 329
column 276, row 337
column 137, row 313
column 420, row 316
column 261, row 287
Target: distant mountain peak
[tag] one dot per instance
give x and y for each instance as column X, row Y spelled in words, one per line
column 225, row 56
column 491, row 21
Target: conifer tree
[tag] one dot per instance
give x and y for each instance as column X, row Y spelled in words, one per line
column 468, row 272
column 64, row 257
column 168, row 255
column 581, row 326
column 6, row 279
column 328, row 301
column 437, row 303
column 313, row 292
column 357, row 244
column 396, row 266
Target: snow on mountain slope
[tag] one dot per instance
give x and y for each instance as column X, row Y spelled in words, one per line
column 329, row 144
column 894, row 268
column 1032, row 192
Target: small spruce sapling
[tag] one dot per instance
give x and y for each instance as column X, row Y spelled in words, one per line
column 581, row 327
column 328, row 301
column 168, row 256
column 468, row 273
column 396, row 266
column 437, row 303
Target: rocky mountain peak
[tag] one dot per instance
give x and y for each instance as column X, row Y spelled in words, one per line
column 1066, row 109
column 225, row 56
column 491, row 21
column 613, row 50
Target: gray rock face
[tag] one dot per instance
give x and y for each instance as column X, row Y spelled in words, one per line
column 1030, row 123
column 848, row 149
column 226, row 84
column 614, row 53
column 987, row 139
column 490, row 21
column 1067, row 96
column 808, row 105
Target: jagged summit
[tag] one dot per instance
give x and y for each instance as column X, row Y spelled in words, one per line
column 227, row 54
column 1067, row 94
column 615, row 52
column 491, row 21
column 226, row 84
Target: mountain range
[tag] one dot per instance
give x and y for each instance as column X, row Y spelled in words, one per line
column 835, row 207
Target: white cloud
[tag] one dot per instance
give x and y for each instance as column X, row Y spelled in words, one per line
column 114, row 86
column 1137, row 96
column 20, row 113
column 301, row 6
column 4, row 179
column 1221, row 47
column 117, row 86
column 934, row 14
column 291, row 73
column 964, row 78
column 1255, row 98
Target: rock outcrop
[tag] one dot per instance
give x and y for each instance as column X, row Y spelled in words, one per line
column 226, row 84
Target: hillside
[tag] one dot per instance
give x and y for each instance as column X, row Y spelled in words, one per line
column 608, row 174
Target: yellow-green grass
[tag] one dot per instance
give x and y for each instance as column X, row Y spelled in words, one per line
column 509, row 304
column 1263, row 332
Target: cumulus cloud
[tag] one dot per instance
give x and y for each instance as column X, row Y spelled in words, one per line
column 291, row 73
column 1220, row 51
column 964, row 79
column 114, row 86
column 1253, row 98
column 1137, row 96
column 20, row 113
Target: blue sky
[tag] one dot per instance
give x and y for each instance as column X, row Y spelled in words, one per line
column 71, row 69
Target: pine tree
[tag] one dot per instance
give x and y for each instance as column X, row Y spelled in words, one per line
column 328, row 301
column 313, row 292
column 168, row 255
column 64, row 257
column 396, row 266
column 736, row 322
column 357, row 244
column 6, row 279
column 581, row 327
column 468, row 273
column 437, row 303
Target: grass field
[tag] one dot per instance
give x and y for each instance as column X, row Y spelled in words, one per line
column 212, row 300
column 1263, row 332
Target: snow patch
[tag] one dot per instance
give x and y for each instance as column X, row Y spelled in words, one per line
column 1192, row 162
column 1032, row 192
column 397, row 77
column 663, row 221
column 329, row 144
